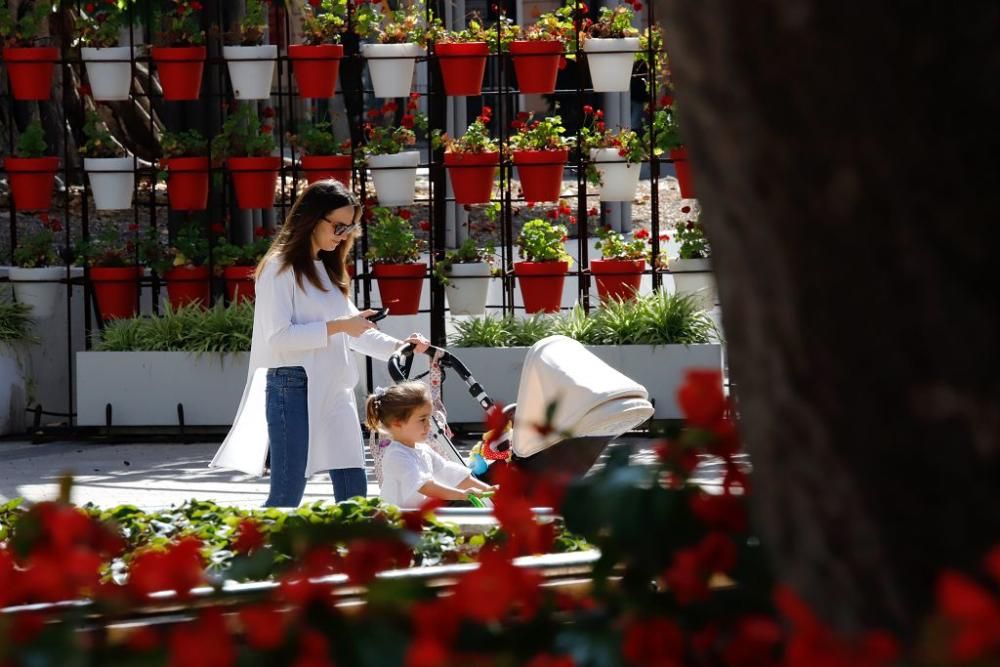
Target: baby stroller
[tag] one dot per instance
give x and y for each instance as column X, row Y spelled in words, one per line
column 594, row 403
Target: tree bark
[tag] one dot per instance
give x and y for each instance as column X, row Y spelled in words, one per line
column 846, row 157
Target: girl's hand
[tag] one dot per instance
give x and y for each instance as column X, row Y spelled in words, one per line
column 352, row 325
column 420, row 344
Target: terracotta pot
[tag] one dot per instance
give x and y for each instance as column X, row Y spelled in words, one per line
column 462, row 66
column 541, row 285
column 255, row 179
column 617, row 278
column 325, row 167
column 31, row 181
column 30, row 70
column 180, row 69
column 187, row 183
column 239, row 283
column 536, row 65
column 316, row 68
column 400, row 286
column 188, row 284
column 540, row 173
column 472, row 176
column 683, row 170
column 115, row 291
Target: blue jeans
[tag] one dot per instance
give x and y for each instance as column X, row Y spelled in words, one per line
column 349, row 482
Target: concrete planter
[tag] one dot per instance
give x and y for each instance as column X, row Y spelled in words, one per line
column 13, row 392
column 659, row 368
column 144, row 388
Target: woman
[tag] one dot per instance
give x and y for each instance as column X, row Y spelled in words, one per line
column 299, row 398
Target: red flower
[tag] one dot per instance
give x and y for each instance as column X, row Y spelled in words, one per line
column 373, row 113
column 405, row 213
column 268, row 112
column 179, row 568
column 974, row 615
column 390, row 107
column 638, row 6
column 425, row 225
column 721, row 512
column 263, row 626
column 316, row 3
column 407, row 121
column 497, row 588
column 259, row 232
column 753, row 642
column 218, row 228
column 549, row 660
column 90, row 8
column 205, row 642
column 701, row 398
column 653, row 641
column 133, row 227
column 487, row 111
column 641, row 234
column 717, row 553
column 685, row 209
column 599, row 113
column 366, row 558
column 426, row 652
column 249, row 537
column 551, row 214
column 266, row 129
column 686, row 578
column 587, row 109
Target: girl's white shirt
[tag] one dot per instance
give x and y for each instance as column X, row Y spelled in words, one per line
column 289, row 329
column 406, row 469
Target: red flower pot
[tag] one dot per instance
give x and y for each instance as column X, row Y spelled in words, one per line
column 255, row 180
column 472, row 175
column 239, row 283
column 617, row 278
column 536, row 65
column 541, row 285
column 683, row 170
column 32, row 180
column 180, row 69
column 188, row 284
column 316, row 68
column 115, row 291
column 30, row 71
column 325, row 167
column 187, row 183
column 540, row 173
column 400, row 286
column 462, row 66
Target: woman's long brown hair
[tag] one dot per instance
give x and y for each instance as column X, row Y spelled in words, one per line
column 292, row 245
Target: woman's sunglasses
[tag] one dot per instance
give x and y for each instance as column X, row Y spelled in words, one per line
column 340, row 229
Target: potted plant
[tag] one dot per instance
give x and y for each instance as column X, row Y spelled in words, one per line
column 246, row 144
column 539, row 152
column 619, row 271
column 543, row 266
column 182, row 264
column 692, row 268
column 180, row 60
column 109, row 66
column 465, row 273
column 30, row 173
column 611, row 43
column 250, row 60
column 29, row 67
column 323, row 157
column 615, row 157
column 393, row 167
column 239, row 263
column 37, row 273
column 666, row 139
column 537, row 50
column 316, row 62
column 472, row 160
column 110, row 169
column 185, row 157
column 394, row 250
column 400, row 38
column 15, row 329
column 111, row 259
column 462, row 57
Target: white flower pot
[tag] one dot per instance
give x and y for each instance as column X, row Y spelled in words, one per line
column 694, row 277
column 611, row 72
column 13, row 392
column 251, row 69
column 391, row 67
column 619, row 179
column 112, row 180
column 467, row 287
column 395, row 177
column 43, row 297
column 109, row 71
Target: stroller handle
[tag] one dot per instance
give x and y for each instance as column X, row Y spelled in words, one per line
column 401, row 362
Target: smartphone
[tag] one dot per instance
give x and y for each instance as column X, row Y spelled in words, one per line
column 378, row 315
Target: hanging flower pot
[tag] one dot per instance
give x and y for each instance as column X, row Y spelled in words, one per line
column 187, row 183
column 395, row 177
column 251, row 69
column 187, row 285
column 30, row 70
column 610, row 62
column 31, row 180
column 472, row 176
column 180, row 69
column 617, row 278
column 239, row 283
column 467, row 287
column 38, row 287
column 683, row 170
column 115, row 291
column 541, row 285
column 112, row 180
column 255, row 180
column 540, row 173
column 400, row 285
column 462, row 66
column 326, row 167
column 536, row 64
column 619, row 179
column 316, row 68
column 391, row 67
column 693, row 277
column 109, row 71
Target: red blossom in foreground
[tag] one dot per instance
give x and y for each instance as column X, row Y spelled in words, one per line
column 205, row 642
column 249, row 537
column 701, row 398
column 180, row 568
column 653, row 641
column 496, row 589
column 366, row 558
column 973, row 616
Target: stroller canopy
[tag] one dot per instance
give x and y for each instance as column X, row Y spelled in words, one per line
column 592, row 398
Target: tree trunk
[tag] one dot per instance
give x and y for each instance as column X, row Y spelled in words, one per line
column 847, row 160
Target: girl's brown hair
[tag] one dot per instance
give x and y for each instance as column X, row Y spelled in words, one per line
column 396, row 403
column 294, row 239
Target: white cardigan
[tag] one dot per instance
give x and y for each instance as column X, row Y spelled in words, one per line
column 289, row 329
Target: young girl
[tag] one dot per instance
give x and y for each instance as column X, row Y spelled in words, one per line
column 412, row 472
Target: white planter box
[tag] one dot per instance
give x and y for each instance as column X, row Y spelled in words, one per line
column 694, row 277
column 619, row 179
column 112, row 180
column 659, row 368
column 251, row 69
column 611, row 72
column 144, row 388
column 391, row 67
column 468, row 285
column 13, row 392
column 39, row 288
column 395, row 177
column 109, row 71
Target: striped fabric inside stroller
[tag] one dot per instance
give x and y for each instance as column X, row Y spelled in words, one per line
column 582, row 402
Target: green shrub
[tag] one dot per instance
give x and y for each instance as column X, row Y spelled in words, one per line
column 187, row 329
column 15, row 323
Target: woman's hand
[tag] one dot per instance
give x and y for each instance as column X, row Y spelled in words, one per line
column 420, row 344
column 352, row 325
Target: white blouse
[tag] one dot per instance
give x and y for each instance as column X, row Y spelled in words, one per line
column 289, row 329
column 406, row 469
